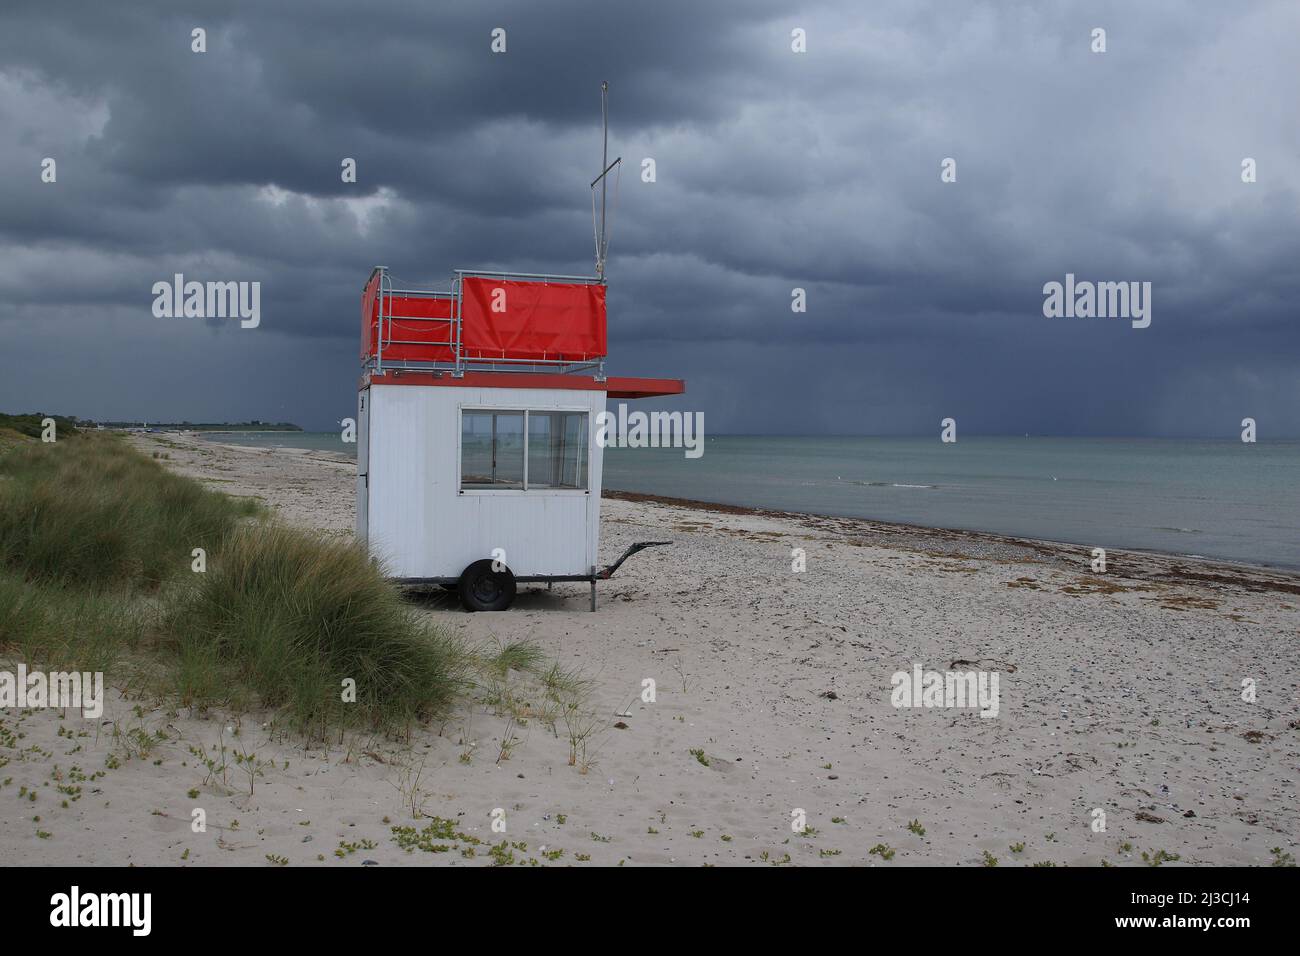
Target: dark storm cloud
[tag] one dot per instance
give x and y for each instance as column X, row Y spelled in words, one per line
column 775, row 171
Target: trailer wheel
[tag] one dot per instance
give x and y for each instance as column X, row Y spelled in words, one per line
column 482, row 589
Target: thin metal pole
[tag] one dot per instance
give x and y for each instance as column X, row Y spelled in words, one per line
column 473, row 273
column 604, row 162
column 383, row 281
column 458, row 303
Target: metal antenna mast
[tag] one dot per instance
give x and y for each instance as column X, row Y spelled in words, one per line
column 605, row 161
column 602, row 244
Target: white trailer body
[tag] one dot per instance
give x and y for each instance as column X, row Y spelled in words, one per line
column 425, row 511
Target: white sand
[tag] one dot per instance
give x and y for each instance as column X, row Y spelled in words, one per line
column 1120, row 692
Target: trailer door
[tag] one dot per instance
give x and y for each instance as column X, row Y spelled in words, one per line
column 363, row 465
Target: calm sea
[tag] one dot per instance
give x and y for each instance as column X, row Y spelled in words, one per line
column 1222, row 499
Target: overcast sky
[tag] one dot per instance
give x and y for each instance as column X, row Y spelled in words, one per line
column 775, row 170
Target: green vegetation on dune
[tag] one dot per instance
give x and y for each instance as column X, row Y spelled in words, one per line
column 9, row 438
column 96, row 544
column 95, row 513
column 250, row 426
column 30, row 424
column 290, row 614
column 67, row 628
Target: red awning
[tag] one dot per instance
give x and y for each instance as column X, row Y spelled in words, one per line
column 620, row 386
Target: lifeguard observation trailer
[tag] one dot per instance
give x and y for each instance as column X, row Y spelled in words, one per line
column 478, row 464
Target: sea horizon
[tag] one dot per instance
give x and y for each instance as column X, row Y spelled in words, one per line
column 1212, row 498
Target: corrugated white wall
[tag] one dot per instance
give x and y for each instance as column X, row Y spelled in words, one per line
column 422, row 527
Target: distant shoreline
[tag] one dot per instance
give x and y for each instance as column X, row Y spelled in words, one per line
column 953, row 540
column 1065, row 552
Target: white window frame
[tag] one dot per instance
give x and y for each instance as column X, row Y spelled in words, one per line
column 525, row 409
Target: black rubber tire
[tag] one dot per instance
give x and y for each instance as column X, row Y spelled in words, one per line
column 482, row 589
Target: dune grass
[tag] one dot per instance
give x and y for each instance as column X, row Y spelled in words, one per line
column 32, row 424
column 92, row 512
column 306, row 622
column 68, row 628
column 95, row 574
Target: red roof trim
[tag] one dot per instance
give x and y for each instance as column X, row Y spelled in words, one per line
column 616, row 386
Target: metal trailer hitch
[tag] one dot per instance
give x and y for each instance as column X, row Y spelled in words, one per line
column 607, row 573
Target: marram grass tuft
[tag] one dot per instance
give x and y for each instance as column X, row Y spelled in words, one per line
column 306, row 622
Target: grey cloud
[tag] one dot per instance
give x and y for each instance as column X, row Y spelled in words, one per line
column 775, row 170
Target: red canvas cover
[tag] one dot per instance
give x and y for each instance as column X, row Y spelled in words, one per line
column 369, row 313
column 532, row 320
column 402, row 329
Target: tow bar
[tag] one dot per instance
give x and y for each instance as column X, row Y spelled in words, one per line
column 608, row 572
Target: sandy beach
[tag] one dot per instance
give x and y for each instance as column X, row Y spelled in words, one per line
column 1121, row 702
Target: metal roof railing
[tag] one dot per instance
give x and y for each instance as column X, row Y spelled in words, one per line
column 391, row 299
